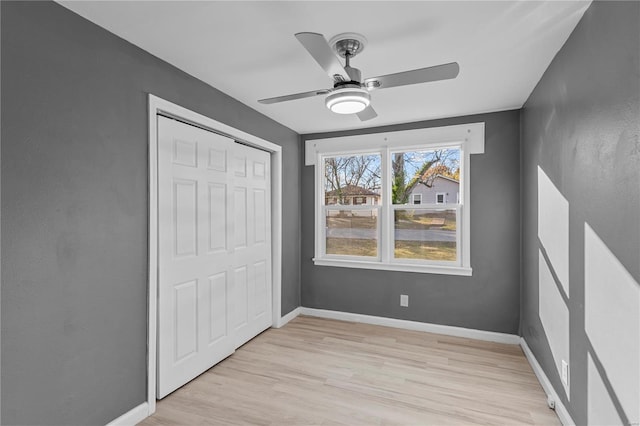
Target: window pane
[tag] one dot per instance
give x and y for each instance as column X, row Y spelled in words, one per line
column 352, row 180
column 425, row 234
column 425, row 173
column 352, row 232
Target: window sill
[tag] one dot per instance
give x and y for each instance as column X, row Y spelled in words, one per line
column 401, row 267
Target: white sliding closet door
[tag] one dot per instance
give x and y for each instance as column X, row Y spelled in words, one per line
column 214, row 249
column 251, row 312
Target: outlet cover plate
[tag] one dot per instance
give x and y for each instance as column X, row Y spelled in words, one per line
column 404, row 300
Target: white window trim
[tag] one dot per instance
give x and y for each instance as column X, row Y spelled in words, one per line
column 444, row 198
column 470, row 139
column 413, row 199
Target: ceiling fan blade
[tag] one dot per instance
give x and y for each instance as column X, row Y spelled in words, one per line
column 294, row 96
column 367, row 114
column 422, row 75
column 318, row 47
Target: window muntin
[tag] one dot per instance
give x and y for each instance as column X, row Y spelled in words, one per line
column 417, row 199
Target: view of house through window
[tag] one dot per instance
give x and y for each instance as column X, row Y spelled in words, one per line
column 352, row 197
column 423, row 213
column 423, row 231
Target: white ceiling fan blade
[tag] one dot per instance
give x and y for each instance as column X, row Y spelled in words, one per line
column 318, row 47
column 294, row 96
column 422, row 75
column 367, row 114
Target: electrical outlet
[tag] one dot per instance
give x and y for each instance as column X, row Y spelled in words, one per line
column 404, row 300
column 565, row 373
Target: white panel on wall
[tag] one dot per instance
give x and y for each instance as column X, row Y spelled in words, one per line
column 600, row 407
column 554, row 315
column 185, row 153
column 553, row 227
column 240, row 209
column 185, row 217
column 217, row 217
column 218, row 307
column 186, row 312
column 612, row 320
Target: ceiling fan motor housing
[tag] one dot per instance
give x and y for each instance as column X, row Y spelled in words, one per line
column 355, row 77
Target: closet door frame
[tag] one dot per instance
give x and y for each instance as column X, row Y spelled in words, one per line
column 158, row 106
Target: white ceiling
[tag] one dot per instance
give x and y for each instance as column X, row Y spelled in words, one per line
column 248, row 50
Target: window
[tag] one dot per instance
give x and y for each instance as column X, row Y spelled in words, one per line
column 373, row 195
column 429, row 233
column 351, row 231
column 360, row 200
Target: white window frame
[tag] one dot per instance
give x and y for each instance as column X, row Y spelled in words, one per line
column 413, row 199
column 444, row 198
column 468, row 137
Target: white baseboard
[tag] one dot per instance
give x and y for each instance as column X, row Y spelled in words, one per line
column 291, row 315
column 132, row 417
column 561, row 410
column 490, row 336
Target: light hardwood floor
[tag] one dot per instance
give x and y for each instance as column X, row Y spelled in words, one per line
column 319, row 371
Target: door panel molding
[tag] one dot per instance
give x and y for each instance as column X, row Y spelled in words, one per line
column 161, row 107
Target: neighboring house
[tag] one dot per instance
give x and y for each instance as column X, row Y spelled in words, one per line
column 440, row 190
column 352, row 195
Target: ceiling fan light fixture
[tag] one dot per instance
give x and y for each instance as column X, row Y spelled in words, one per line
column 348, row 100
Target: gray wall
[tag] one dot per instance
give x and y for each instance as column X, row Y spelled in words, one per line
column 581, row 125
column 74, row 211
column 489, row 300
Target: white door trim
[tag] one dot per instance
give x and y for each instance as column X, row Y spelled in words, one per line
column 158, row 105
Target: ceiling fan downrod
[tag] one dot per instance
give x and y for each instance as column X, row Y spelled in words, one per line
column 354, row 74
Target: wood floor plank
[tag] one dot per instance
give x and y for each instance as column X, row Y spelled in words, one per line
column 316, row 371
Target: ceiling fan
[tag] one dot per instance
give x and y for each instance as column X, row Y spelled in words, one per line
column 350, row 94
